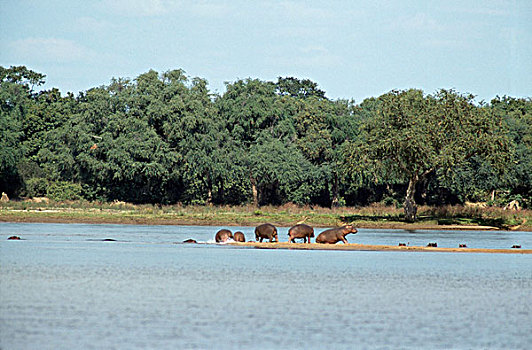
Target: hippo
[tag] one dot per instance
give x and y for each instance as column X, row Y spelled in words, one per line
column 335, row 235
column 14, row 238
column 300, row 231
column 239, row 237
column 190, row 240
column 223, row 236
column 266, row 231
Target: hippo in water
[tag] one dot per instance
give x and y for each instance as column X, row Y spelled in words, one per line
column 266, row 231
column 223, row 236
column 300, row 231
column 239, row 237
column 335, row 235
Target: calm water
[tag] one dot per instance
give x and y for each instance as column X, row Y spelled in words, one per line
column 63, row 288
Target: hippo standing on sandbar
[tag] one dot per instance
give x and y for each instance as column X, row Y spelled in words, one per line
column 266, row 231
column 223, row 236
column 335, row 235
column 300, row 231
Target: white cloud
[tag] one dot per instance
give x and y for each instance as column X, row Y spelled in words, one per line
column 301, row 10
column 153, row 8
column 318, row 56
column 91, row 24
column 480, row 8
column 209, row 9
column 306, row 57
column 50, row 50
column 139, row 8
column 419, row 22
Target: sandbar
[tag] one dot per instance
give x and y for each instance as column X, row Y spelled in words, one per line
column 368, row 247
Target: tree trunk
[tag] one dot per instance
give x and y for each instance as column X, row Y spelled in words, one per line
column 209, row 197
column 254, row 191
column 209, row 192
column 334, row 190
column 410, row 204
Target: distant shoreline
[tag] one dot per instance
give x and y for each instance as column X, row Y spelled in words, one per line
column 52, row 217
column 371, row 217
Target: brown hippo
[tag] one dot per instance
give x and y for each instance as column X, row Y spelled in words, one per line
column 239, row 237
column 223, row 236
column 300, row 231
column 266, row 231
column 335, row 235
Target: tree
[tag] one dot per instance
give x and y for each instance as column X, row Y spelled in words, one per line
column 411, row 135
column 322, row 127
column 517, row 115
column 16, row 99
column 251, row 111
column 294, row 87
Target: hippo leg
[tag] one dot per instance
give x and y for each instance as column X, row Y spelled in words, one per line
column 344, row 240
column 261, row 239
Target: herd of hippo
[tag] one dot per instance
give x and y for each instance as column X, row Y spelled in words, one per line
column 299, row 231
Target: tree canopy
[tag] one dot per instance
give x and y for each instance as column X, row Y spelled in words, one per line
column 413, row 135
column 165, row 138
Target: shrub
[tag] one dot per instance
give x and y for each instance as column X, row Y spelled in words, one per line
column 63, row 191
column 36, row 187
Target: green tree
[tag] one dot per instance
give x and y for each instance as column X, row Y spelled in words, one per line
column 411, row 135
column 322, row 128
column 294, row 87
column 517, row 115
column 16, row 99
column 251, row 111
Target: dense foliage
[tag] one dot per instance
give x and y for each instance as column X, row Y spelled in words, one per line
column 164, row 138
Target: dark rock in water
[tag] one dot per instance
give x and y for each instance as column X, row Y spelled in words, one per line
column 14, row 238
column 108, row 240
column 432, row 244
column 516, row 246
column 462, row 246
column 190, row 240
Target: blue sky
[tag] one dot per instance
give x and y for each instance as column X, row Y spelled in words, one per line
column 352, row 49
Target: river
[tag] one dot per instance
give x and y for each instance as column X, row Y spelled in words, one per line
column 62, row 287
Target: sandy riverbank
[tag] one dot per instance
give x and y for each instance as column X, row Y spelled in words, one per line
column 44, row 217
column 367, row 247
column 284, row 216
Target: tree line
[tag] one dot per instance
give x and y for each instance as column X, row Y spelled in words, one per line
column 165, row 138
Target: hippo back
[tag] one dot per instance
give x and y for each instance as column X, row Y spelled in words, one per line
column 265, row 231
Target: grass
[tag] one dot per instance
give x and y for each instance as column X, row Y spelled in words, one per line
column 375, row 216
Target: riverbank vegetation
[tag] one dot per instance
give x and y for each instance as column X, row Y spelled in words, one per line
column 373, row 216
column 166, row 141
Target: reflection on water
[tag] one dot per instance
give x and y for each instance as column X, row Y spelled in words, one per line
column 61, row 288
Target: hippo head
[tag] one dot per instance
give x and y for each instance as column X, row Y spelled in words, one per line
column 349, row 229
